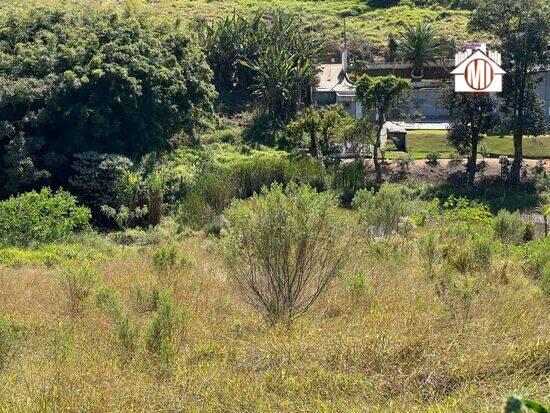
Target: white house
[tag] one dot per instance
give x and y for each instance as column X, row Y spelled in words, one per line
column 335, row 87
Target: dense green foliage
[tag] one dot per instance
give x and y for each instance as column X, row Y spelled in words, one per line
column 40, row 217
column 381, row 212
column 214, row 178
column 104, row 81
column 471, row 117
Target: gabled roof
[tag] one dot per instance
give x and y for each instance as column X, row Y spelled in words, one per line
column 333, row 78
column 478, row 54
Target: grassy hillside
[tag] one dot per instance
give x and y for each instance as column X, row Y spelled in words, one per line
column 325, row 16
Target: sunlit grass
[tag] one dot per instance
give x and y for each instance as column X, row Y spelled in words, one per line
column 420, row 142
column 393, row 348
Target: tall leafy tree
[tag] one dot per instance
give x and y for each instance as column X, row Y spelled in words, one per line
column 472, row 115
column 308, row 122
column 73, row 81
column 378, row 95
column 226, row 43
column 523, row 31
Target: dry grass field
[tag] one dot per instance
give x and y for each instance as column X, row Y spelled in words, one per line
column 388, row 345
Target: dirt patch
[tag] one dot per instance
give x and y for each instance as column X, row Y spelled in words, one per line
column 434, row 174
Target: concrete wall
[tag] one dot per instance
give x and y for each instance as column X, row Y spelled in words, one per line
column 426, row 102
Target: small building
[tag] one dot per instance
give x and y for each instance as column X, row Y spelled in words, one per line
column 424, row 102
column 396, row 133
column 334, row 86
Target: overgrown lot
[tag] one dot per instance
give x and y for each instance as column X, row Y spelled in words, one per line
column 435, row 306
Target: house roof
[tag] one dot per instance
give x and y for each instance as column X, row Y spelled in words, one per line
column 333, row 78
column 478, row 54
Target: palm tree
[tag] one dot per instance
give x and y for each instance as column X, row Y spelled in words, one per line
column 419, row 44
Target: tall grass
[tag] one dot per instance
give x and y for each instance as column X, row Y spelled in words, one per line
column 380, row 339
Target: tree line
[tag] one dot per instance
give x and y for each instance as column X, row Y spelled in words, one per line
column 119, row 82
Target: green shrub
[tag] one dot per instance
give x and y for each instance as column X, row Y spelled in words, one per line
column 380, row 212
column 167, row 260
column 432, row 157
column 41, row 217
column 536, row 256
column 145, row 300
column 528, row 231
column 155, row 185
column 127, row 333
column 468, row 254
column 359, row 287
column 545, row 280
column 467, row 212
column 283, row 248
column 225, row 175
column 404, row 162
column 348, row 178
column 78, row 280
column 517, row 404
column 457, row 290
column 428, row 250
column 165, row 333
column 509, row 227
column 8, row 338
column 207, row 199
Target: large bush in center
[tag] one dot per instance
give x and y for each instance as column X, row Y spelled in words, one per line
column 284, row 247
column 40, row 217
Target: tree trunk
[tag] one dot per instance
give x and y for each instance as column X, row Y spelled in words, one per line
column 313, row 146
column 377, row 166
column 545, row 226
column 515, row 171
column 471, row 167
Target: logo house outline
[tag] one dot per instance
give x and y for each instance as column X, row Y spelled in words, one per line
column 478, row 71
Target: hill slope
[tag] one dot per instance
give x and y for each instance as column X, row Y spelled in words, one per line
column 326, row 16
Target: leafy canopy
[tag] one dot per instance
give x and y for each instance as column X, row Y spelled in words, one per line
column 99, row 80
column 382, row 93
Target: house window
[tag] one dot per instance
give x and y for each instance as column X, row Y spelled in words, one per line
column 346, row 105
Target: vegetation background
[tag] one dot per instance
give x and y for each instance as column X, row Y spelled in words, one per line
column 195, row 261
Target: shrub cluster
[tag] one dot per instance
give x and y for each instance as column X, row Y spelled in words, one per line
column 44, row 216
column 381, row 212
column 227, row 176
column 284, row 248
